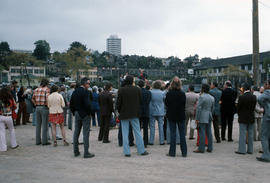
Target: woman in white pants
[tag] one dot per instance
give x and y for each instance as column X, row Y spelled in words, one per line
column 6, row 106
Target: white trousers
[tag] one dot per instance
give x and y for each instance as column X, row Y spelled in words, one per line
column 6, row 120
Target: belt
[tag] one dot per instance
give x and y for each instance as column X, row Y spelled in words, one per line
column 6, row 114
column 41, row 106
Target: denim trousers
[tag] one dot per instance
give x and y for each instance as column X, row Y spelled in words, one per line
column 160, row 129
column 138, row 136
column 243, row 129
column 79, row 124
column 42, row 114
column 183, row 145
column 93, row 114
column 205, row 129
column 265, row 136
column 34, row 117
column 169, row 134
column 130, row 135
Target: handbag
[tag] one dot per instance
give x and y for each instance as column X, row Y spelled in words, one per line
column 193, row 124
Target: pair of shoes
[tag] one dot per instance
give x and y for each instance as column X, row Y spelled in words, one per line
column 54, row 143
column 209, row 150
column 262, row 159
column 15, row 147
column 145, row 153
column 99, row 139
column 66, row 143
column 89, row 155
column 191, row 138
column 218, row 141
column 162, row 144
column 237, row 152
column 184, row 155
column 260, row 151
column 198, row 151
column 223, row 139
column 48, row 143
column 230, row 140
column 106, row 141
column 150, row 144
column 127, row 155
column 76, row 154
column 170, row 155
column 250, row 152
column 38, row 144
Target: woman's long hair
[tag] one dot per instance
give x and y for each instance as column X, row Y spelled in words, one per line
column 176, row 84
column 5, row 96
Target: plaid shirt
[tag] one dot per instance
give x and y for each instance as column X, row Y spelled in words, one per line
column 40, row 96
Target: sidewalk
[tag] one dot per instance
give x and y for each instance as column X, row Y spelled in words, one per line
column 39, row 164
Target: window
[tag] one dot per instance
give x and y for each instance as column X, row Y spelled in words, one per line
column 243, row 67
column 13, row 70
column 36, row 71
column 30, row 71
column 249, row 67
column 41, row 71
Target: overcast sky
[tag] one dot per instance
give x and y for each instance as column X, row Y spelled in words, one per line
column 162, row 28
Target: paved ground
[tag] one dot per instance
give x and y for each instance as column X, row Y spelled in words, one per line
column 30, row 163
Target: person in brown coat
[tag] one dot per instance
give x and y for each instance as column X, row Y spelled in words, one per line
column 106, row 108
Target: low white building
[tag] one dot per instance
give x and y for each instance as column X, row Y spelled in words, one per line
column 16, row 72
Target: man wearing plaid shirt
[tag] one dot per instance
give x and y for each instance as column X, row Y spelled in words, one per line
column 40, row 98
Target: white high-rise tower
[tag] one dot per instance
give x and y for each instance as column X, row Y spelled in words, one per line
column 114, row 45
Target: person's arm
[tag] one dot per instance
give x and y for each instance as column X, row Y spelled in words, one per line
column 87, row 102
column 261, row 100
column 198, row 109
column 240, row 104
column 119, row 101
column 110, row 101
column 62, row 101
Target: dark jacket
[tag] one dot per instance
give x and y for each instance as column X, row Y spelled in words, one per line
column 245, row 108
column 129, row 102
column 95, row 102
column 227, row 99
column 175, row 102
column 21, row 97
column 80, row 102
column 106, row 103
column 146, row 98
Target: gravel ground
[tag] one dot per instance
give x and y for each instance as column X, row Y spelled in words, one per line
column 37, row 164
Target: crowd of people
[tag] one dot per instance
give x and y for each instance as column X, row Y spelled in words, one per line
column 139, row 106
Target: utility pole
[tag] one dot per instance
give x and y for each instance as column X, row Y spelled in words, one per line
column 256, row 54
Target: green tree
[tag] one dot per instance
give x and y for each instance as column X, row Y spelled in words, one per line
column 76, row 44
column 17, row 59
column 42, row 50
column 76, row 59
column 4, row 52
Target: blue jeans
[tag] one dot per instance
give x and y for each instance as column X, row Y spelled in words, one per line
column 205, row 128
column 169, row 134
column 265, row 135
column 34, row 120
column 160, row 128
column 136, row 129
column 183, row 145
column 93, row 114
column 243, row 128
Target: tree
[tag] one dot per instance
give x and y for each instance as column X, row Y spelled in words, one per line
column 42, row 50
column 77, row 44
column 4, row 52
column 18, row 59
column 76, row 59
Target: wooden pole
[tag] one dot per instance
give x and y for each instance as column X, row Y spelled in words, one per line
column 256, row 54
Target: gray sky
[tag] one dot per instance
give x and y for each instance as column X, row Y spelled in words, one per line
column 162, row 28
